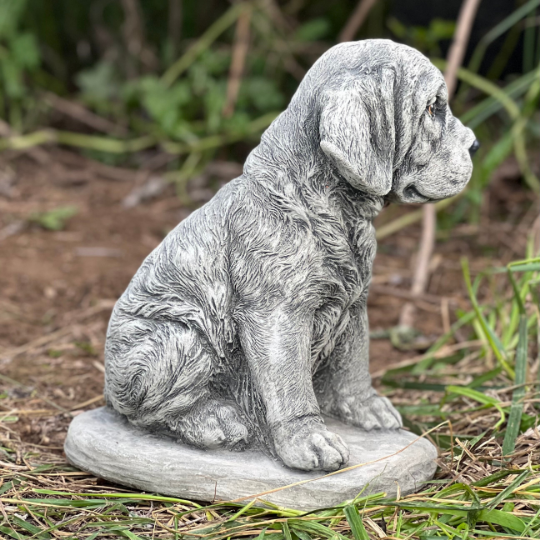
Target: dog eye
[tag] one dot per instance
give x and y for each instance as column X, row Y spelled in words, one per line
column 431, row 106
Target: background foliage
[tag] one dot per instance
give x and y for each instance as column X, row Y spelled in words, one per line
column 151, row 75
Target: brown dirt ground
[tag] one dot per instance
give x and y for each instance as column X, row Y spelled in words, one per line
column 57, row 288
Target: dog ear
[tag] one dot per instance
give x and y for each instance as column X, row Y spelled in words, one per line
column 357, row 131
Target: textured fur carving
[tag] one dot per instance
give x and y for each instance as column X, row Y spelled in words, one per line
column 249, row 320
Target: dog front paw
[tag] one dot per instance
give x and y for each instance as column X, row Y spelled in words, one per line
column 306, row 444
column 369, row 413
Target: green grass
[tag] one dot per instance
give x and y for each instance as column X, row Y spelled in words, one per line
column 479, row 404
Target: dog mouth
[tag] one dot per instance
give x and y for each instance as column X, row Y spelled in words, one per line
column 411, row 192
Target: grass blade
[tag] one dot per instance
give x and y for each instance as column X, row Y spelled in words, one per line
column 516, row 409
column 202, row 44
column 286, row 531
column 502, row 518
column 492, row 338
column 481, row 398
column 506, row 492
column 355, row 522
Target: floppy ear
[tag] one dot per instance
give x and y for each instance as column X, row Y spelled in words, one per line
column 357, row 131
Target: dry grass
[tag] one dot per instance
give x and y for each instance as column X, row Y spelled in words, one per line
column 477, row 491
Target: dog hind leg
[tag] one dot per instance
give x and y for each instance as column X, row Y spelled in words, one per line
column 158, row 375
column 212, row 424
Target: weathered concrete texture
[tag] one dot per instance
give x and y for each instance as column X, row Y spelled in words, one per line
column 103, row 443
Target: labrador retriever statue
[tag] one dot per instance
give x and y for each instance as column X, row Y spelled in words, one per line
column 248, row 322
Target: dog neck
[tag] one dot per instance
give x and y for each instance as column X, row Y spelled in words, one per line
column 289, row 163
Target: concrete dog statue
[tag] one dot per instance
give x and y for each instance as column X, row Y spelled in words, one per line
column 249, row 321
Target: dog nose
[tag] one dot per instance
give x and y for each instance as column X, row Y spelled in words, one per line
column 474, row 147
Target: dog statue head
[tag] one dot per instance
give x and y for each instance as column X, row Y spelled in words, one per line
column 385, row 123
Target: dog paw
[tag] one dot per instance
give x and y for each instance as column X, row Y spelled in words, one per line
column 375, row 412
column 212, row 425
column 306, row 444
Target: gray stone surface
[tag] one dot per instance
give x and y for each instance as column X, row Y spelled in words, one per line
column 102, row 442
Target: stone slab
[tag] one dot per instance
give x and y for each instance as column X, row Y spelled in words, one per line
column 104, row 443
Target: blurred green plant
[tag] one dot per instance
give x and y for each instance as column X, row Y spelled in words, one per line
column 175, row 103
column 54, row 220
column 423, row 38
column 19, row 56
column 505, row 328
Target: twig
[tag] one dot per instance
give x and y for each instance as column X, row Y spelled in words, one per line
column 421, row 274
column 240, row 48
column 410, row 219
column 80, row 113
column 407, row 295
column 153, row 187
column 459, row 43
column 118, row 146
column 283, row 49
column 87, row 403
column 202, row 44
column 38, row 154
column 134, row 36
column 455, row 58
column 356, row 19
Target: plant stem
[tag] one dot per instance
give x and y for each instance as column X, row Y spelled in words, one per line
column 183, row 63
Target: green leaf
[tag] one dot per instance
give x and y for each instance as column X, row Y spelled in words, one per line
column 490, row 106
column 504, row 519
column 442, row 29
column 262, row 93
column 10, row 14
column 315, row 528
column 286, row 531
column 30, row 528
column 496, row 155
column 54, row 220
column 492, row 478
column 355, row 522
column 528, row 265
column 10, row 532
column 100, row 83
column 301, row 534
column 480, row 397
column 12, row 77
column 25, row 50
column 313, row 30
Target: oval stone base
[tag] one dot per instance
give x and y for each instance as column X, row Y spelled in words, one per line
column 105, row 444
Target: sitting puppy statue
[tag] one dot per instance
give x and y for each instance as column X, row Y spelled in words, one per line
column 248, row 322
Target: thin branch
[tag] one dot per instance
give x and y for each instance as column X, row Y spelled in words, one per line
column 82, row 114
column 459, row 43
column 356, row 20
column 421, row 273
column 240, row 48
column 135, row 38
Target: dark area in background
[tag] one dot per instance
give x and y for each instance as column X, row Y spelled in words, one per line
column 76, row 38
column 489, row 14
